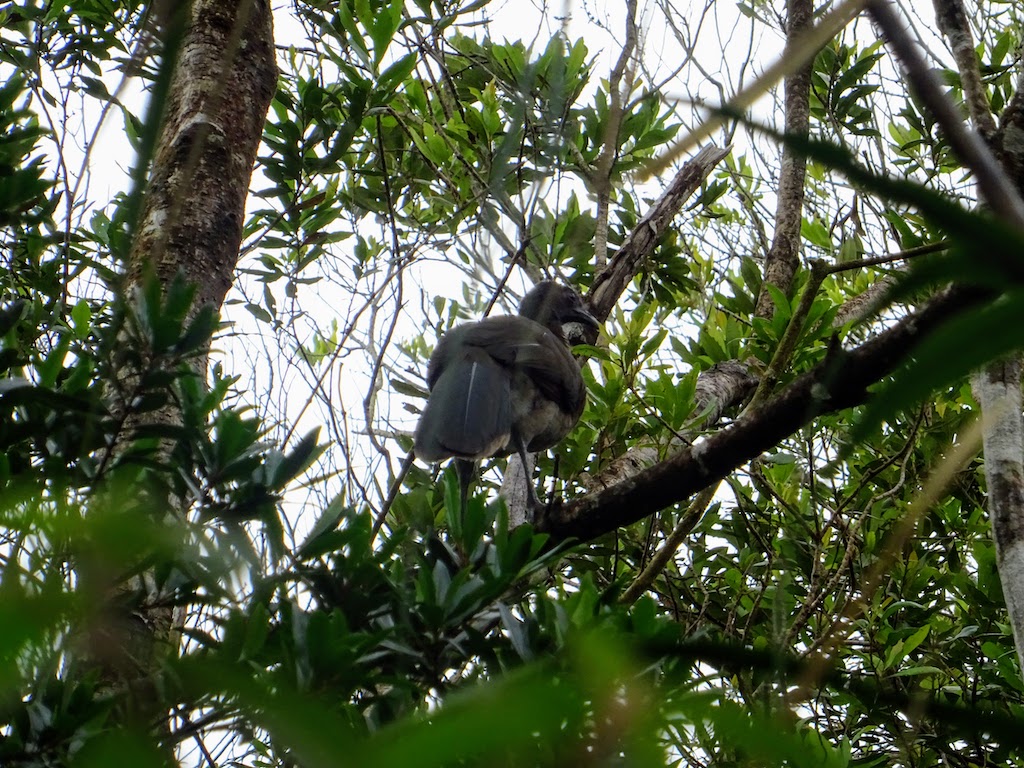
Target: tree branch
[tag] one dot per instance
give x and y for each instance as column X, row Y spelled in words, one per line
column 993, row 183
column 951, row 18
column 193, row 210
column 841, row 381
column 612, row 281
column 618, row 93
column 217, row 104
column 668, row 549
column 998, row 391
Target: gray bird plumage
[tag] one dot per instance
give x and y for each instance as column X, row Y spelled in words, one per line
column 504, row 384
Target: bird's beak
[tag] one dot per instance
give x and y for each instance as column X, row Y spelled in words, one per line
column 581, row 327
column 583, row 317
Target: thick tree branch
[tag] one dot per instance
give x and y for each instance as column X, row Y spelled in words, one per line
column 191, row 222
column 217, row 104
column 998, row 386
column 1010, row 139
column 839, row 382
column 612, row 281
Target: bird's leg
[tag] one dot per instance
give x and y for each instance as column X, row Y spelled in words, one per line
column 531, row 493
column 466, row 471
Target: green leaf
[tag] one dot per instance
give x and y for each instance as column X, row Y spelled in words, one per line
column 977, row 336
column 120, row 747
column 392, row 78
column 383, row 27
column 298, row 460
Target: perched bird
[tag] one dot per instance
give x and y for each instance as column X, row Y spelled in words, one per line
column 505, row 384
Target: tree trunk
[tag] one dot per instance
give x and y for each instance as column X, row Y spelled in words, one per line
column 783, row 258
column 194, row 205
column 190, row 223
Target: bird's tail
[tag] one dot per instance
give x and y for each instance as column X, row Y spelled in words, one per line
column 468, row 413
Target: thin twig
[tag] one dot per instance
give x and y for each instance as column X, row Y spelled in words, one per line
column 672, row 543
column 796, row 55
column 392, row 495
column 617, row 94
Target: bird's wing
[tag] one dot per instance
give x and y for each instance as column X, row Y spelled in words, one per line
column 520, row 343
column 468, row 413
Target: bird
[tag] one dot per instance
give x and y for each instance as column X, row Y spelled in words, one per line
column 505, row 385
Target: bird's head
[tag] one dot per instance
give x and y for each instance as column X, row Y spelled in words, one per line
column 555, row 306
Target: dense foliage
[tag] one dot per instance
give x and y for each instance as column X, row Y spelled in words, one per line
column 836, row 603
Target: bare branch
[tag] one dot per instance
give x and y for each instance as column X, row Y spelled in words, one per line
column 612, row 281
column 952, row 21
column 794, row 57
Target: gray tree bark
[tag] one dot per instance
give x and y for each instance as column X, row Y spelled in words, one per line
column 191, row 223
column 783, row 257
column 997, row 387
